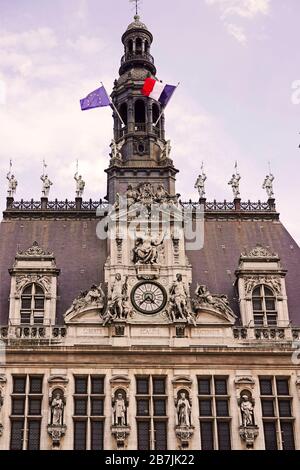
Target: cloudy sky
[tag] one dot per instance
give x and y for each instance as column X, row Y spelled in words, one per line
column 237, row 61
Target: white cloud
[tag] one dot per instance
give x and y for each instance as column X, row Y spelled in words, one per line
column 233, row 10
column 33, row 40
column 86, row 45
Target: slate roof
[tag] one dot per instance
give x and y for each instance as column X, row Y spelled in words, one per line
column 80, row 255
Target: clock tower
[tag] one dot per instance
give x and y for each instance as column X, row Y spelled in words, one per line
column 139, row 151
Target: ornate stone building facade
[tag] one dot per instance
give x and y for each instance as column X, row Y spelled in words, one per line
column 120, row 331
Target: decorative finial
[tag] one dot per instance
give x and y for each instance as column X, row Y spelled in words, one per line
column 268, row 183
column 200, row 183
column 12, row 182
column 137, row 3
column 235, row 182
column 80, row 184
column 46, row 181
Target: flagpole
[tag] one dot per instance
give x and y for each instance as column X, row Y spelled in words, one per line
column 165, row 108
column 115, row 109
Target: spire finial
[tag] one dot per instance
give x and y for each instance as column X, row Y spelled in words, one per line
column 137, row 3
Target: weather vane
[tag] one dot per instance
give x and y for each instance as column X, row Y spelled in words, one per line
column 137, row 3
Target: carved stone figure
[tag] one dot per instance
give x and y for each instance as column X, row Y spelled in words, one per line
column 1, row 400
column 57, row 408
column 80, row 185
column 200, row 184
column 119, row 410
column 116, row 149
column 46, row 185
column 118, row 306
column 268, row 185
column 217, row 302
column 161, row 194
column 247, row 411
column 183, row 410
column 146, row 249
column 235, row 184
column 178, row 303
column 131, row 195
column 12, row 185
column 92, row 298
column 273, row 282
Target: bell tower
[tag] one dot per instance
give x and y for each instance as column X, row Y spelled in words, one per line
column 139, row 150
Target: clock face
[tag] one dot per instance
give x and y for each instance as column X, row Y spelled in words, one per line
column 148, row 297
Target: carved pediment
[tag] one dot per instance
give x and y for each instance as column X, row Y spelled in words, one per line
column 87, row 307
column 206, row 314
column 182, row 380
column 35, row 251
column 259, row 252
column 212, row 308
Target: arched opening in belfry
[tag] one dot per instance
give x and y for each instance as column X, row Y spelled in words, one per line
column 123, row 112
column 155, row 113
column 138, row 46
column 130, row 46
column 140, row 112
column 147, row 47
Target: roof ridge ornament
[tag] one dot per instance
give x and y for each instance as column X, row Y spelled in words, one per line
column 259, row 252
column 34, row 250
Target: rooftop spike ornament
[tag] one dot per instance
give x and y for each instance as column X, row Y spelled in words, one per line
column 12, row 182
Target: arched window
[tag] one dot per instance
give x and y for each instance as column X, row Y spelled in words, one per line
column 155, row 112
column 138, row 46
column 140, row 113
column 130, row 46
column 123, row 112
column 264, row 306
column 32, row 305
column 147, row 48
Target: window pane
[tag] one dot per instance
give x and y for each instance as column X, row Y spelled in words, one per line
column 267, row 408
column 97, row 407
column 282, row 386
column 36, row 385
column 26, row 303
column 159, row 407
column 97, row 435
column 205, row 407
column 16, row 435
column 224, row 435
column 142, row 386
column 19, row 384
column 204, row 386
column 34, row 431
column 97, row 385
column 207, row 439
column 266, row 387
column 258, row 320
column 143, row 432
column 287, row 432
column 39, row 303
column 270, row 436
column 270, row 304
column 220, row 386
column 80, row 435
column 80, row 406
column 159, row 386
column 18, row 406
column 257, row 305
column 222, row 407
column 142, row 407
column 25, row 318
column 285, row 408
column 257, row 291
column 81, row 385
column 160, row 432
column 35, row 405
column 271, row 320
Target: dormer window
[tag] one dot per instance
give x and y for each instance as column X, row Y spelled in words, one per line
column 32, row 305
column 264, row 306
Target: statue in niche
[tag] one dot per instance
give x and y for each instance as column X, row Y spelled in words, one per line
column 179, row 302
column 235, row 184
column 268, row 185
column 57, row 408
column 246, row 403
column 146, row 249
column 183, row 410
column 119, row 409
column 46, row 185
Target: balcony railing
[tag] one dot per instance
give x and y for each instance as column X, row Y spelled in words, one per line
column 34, row 333
column 137, row 56
column 269, row 333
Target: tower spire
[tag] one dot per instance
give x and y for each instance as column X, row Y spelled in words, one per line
column 137, row 3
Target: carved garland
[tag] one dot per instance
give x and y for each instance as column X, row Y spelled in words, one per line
column 44, row 281
column 271, row 281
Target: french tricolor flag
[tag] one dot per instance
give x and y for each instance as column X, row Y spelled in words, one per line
column 158, row 91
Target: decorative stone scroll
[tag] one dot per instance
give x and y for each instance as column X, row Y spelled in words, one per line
column 35, row 251
column 44, row 281
column 259, row 252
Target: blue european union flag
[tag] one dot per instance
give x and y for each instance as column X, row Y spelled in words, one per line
column 96, row 99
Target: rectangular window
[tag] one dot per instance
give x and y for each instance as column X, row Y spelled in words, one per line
column 277, row 413
column 26, row 403
column 215, row 421
column 151, row 401
column 89, row 412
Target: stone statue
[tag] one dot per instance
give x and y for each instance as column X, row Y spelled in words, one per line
column 218, row 302
column 119, row 410
column 200, row 184
column 12, row 184
column 92, row 298
column 57, row 408
column 178, row 303
column 247, row 411
column 80, row 185
column 118, row 306
column 161, row 194
column 131, row 195
column 183, row 409
column 116, row 149
column 168, row 149
column 268, row 185
column 1, row 400
column 46, row 185
column 235, row 184
column 146, row 249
